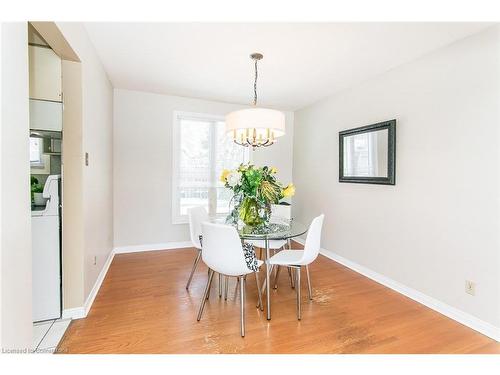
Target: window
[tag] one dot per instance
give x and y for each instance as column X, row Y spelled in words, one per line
column 36, row 150
column 201, row 151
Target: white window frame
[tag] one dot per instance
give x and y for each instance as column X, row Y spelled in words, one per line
column 177, row 218
column 38, row 164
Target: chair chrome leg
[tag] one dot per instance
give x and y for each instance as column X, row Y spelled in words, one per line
column 208, row 293
column 242, row 305
column 290, row 274
column 195, row 264
column 237, row 287
column 225, row 288
column 264, row 284
column 259, row 294
column 205, row 295
column 278, row 269
column 297, row 287
column 220, row 285
column 309, row 289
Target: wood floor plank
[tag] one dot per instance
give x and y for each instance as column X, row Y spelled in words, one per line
column 143, row 307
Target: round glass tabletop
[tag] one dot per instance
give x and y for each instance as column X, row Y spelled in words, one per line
column 271, row 231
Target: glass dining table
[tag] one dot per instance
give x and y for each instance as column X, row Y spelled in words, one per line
column 272, row 231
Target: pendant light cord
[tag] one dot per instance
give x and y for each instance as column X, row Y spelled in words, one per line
column 255, row 86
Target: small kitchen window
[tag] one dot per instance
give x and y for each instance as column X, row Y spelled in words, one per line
column 36, row 152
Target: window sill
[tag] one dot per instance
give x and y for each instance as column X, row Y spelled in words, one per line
column 180, row 220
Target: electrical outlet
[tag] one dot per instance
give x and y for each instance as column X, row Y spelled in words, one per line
column 95, row 260
column 87, row 159
column 470, row 287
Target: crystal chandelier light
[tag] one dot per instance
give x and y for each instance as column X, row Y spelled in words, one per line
column 255, row 127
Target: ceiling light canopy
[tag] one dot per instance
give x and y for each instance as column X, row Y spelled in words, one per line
column 255, row 127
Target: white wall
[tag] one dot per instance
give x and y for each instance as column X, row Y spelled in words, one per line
column 143, row 163
column 15, row 281
column 97, row 140
column 72, row 188
column 439, row 225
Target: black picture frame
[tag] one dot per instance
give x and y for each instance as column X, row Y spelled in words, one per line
column 391, row 157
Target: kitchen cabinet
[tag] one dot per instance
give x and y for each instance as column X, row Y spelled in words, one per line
column 45, row 74
column 45, row 115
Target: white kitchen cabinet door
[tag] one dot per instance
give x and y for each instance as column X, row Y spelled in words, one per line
column 45, row 74
column 45, row 115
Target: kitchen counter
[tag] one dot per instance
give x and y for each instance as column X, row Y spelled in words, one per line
column 37, row 210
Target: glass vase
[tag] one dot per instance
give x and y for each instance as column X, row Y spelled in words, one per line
column 249, row 212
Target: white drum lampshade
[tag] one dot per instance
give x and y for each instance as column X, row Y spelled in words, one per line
column 255, row 126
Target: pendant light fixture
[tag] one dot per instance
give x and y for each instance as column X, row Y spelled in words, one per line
column 255, row 127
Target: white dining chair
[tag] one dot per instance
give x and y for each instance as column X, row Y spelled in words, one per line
column 280, row 214
column 299, row 258
column 223, row 253
column 196, row 216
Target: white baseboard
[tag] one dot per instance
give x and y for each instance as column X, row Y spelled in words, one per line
column 82, row 312
column 152, row 247
column 74, row 313
column 97, row 285
column 451, row 312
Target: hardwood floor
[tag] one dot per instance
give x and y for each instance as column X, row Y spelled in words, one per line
column 143, row 307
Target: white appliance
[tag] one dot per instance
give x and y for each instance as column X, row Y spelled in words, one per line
column 46, row 254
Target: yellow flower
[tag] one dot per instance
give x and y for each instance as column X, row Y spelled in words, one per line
column 289, row 191
column 273, row 170
column 224, row 174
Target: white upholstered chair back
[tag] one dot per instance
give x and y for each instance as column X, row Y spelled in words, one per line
column 222, row 250
column 196, row 216
column 313, row 241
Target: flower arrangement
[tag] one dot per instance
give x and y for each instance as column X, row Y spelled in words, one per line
column 255, row 190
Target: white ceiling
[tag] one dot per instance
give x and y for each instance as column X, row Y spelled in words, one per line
column 302, row 62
